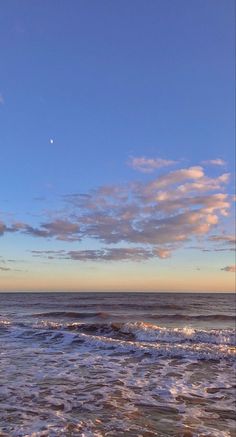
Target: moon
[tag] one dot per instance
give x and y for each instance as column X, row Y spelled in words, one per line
column 51, row 141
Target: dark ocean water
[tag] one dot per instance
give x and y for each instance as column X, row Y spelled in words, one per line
column 117, row 364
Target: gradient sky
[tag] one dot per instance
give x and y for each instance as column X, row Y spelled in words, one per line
column 117, row 145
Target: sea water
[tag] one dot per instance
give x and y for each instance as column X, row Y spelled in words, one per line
column 117, row 364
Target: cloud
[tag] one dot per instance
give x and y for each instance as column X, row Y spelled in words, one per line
column 49, row 254
column 162, row 253
column 228, row 239
column 142, row 213
column 8, row 269
column 157, row 217
column 148, row 165
column 217, row 161
column 1, row 100
column 105, row 254
column 113, row 254
column 4, row 228
column 150, row 190
column 222, row 243
column 229, row 269
column 60, row 229
column 204, row 184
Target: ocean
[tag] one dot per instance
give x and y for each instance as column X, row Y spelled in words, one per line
column 117, row 364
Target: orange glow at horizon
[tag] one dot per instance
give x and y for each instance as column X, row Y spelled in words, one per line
column 219, row 282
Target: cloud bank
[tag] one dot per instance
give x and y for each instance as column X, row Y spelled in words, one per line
column 140, row 220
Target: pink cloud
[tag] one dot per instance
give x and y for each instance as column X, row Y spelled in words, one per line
column 229, row 269
column 148, row 165
column 160, row 215
column 217, row 161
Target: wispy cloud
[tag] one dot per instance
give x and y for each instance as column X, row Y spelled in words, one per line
column 105, row 254
column 148, row 165
column 231, row 269
column 173, row 178
column 222, row 243
column 4, row 269
column 64, row 230
column 217, row 161
column 228, row 239
column 113, row 254
column 48, row 253
column 4, row 228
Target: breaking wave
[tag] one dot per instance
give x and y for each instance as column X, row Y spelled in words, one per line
column 133, row 337
column 111, row 365
column 148, row 332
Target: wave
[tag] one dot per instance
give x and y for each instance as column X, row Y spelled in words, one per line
column 4, row 323
column 106, row 344
column 130, row 337
column 177, row 350
column 125, row 305
column 147, row 332
column 137, row 331
column 152, row 333
column 153, row 316
column 73, row 314
column 200, row 317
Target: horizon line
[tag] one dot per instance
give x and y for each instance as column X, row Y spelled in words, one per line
column 123, row 291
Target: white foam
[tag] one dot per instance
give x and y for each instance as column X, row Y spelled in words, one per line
column 104, row 379
column 149, row 332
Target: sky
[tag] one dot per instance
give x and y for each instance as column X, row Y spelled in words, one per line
column 117, row 145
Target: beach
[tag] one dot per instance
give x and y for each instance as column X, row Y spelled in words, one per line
column 117, row 364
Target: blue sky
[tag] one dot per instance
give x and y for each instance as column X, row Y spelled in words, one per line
column 87, row 88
